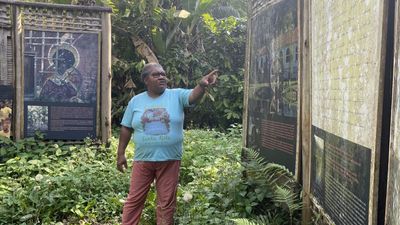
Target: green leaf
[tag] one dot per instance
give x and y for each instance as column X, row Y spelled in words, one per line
column 34, row 162
column 142, row 6
column 248, row 209
column 158, row 40
column 210, row 22
column 155, row 3
column 26, row 217
column 58, row 152
column 78, row 212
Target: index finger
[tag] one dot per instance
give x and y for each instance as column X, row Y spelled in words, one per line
column 214, row 72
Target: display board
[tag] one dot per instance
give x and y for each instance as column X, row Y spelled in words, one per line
column 6, row 73
column 347, row 44
column 60, row 83
column 55, row 70
column 273, row 81
column 393, row 191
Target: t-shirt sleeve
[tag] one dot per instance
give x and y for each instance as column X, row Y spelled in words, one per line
column 128, row 115
column 184, row 96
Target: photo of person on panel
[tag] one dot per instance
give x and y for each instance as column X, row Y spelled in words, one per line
column 63, row 85
column 5, row 118
column 61, row 67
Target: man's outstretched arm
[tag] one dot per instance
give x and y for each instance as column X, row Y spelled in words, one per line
column 200, row 89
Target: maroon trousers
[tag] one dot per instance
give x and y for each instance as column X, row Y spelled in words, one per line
column 166, row 175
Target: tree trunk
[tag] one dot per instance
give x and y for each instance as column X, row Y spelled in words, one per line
column 141, row 47
column 144, row 50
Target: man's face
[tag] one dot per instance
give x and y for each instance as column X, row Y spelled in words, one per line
column 156, row 81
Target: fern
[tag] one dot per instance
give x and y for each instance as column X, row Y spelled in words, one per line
column 243, row 221
column 288, row 199
column 263, row 172
column 268, row 219
column 282, row 201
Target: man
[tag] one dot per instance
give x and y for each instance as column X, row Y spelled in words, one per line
column 156, row 117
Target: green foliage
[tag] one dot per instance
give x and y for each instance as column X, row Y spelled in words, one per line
column 224, row 43
column 188, row 47
column 244, row 222
column 267, row 194
column 51, row 182
column 268, row 219
column 45, row 183
column 279, row 194
column 190, row 38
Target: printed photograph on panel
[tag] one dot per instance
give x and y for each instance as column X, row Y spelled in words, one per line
column 61, row 67
column 5, row 118
column 273, row 82
column 340, row 177
column 38, row 119
column 274, row 59
column 319, row 160
column 6, row 83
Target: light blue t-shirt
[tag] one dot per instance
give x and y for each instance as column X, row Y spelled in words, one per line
column 157, row 124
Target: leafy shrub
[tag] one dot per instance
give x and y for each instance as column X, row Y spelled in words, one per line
column 51, row 182
column 212, row 172
column 43, row 183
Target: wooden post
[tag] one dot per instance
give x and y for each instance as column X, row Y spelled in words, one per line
column 305, row 105
column 376, row 155
column 392, row 214
column 298, row 166
column 246, row 78
column 18, row 63
column 106, row 78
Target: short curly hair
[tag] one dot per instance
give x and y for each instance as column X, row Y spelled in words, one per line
column 147, row 69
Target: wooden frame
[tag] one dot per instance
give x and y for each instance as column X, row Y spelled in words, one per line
column 305, row 105
column 105, row 116
column 392, row 199
column 19, row 82
column 246, row 78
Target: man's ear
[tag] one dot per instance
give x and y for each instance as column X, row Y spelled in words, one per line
column 145, row 80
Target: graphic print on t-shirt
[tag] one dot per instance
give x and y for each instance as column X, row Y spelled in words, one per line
column 155, row 121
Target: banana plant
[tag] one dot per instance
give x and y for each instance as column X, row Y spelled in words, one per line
column 162, row 23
